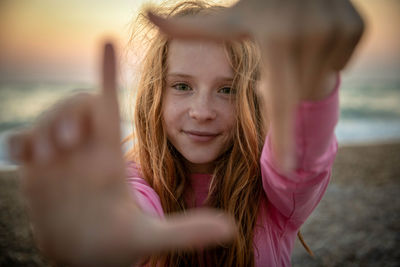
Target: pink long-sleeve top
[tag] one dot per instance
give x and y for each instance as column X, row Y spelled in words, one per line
column 291, row 198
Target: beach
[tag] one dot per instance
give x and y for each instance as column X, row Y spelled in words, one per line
column 357, row 222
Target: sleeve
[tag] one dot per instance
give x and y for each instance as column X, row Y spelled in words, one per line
column 292, row 198
column 142, row 193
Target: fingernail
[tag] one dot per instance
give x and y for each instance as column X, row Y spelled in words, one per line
column 41, row 150
column 67, row 132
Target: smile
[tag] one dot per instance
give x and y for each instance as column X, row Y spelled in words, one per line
column 199, row 136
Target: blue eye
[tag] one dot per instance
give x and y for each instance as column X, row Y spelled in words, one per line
column 182, row 87
column 227, row 90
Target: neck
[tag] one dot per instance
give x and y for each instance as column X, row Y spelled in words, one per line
column 201, row 168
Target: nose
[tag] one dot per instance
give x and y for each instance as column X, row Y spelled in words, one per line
column 202, row 108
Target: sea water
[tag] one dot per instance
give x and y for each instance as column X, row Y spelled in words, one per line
column 369, row 109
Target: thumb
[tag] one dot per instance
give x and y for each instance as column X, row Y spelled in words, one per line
column 194, row 229
column 221, row 26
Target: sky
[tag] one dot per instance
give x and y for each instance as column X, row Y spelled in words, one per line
column 58, row 40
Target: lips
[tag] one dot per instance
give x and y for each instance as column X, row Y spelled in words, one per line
column 201, row 136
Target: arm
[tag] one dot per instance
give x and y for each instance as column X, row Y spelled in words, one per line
column 293, row 196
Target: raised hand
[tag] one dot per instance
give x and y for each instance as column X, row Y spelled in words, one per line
column 73, row 178
column 303, row 44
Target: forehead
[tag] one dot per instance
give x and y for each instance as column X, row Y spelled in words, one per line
column 198, row 57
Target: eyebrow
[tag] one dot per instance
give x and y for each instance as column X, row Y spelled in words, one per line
column 188, row 76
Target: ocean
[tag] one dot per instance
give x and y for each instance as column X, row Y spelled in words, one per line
column 369, row 111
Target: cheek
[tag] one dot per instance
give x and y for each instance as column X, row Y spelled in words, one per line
column 228, row 114
column 171, row 115
column 166, row 108
column 229, row 120
column 166, row 120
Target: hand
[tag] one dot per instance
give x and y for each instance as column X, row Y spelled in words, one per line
column 303, row 45
column 81, row 207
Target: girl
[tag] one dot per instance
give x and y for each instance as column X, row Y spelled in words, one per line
column 201, row 139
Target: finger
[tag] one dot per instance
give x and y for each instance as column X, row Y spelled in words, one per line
column 43, row 148
column 194, row 229
column 353, row 29
column 73, row 125
column 19, row 147
column 109, row 76
column 225, row 25
column 106, row 120
column 319, row 35
column 62, row 129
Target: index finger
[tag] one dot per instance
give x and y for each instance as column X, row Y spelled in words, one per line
column 226, row 25
column 109, row 73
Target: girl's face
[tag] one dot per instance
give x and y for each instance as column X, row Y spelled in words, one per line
column 198, row 104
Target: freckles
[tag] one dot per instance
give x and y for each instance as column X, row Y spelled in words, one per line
column 178, row 108
column 168, row 108
column 229, row 116
column 174, row 112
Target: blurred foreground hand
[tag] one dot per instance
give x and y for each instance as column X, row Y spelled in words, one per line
column 303, row 45
column 80, row 205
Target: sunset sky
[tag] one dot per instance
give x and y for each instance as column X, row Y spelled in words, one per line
column 60, row 40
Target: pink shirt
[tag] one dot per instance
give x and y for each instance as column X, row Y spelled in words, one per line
column 290, row 199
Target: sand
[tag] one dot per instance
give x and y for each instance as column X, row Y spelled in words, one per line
column 357, row 222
